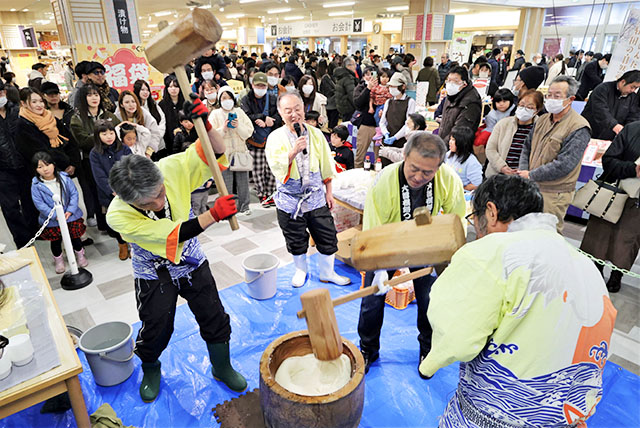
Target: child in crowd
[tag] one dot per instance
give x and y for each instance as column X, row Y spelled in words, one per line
column 107, row 150
column 461, row 158
column 503, row 106
column 289, row 84
column 47, row 182
column 415, row 123
column 200, row 198
column 343, row 150
column 311, row 118
column 184, row 135
column 137, row 138
column 379, row 95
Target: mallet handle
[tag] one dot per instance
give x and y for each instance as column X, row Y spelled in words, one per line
column 367, row 291
column 183, row 81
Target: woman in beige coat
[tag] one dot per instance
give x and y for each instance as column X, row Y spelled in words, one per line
column 508, row 136
column 235, row 134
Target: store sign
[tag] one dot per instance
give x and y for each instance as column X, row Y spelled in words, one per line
column 626, row 54
column 122, row 21
column 124, row 65
column 330, row 27
column 29, row 37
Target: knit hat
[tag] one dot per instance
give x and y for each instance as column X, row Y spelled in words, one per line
column 260, row 77
column 532, row 76
column 227, row 88
column 397, row 79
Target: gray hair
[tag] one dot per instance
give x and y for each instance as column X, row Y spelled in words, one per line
column 573, row 84
column 135, row 178
column 290, row 94
column 427, row 145
column 348, row 62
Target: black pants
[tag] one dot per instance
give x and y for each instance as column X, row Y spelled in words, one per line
column 333, row 116
column 319, row 223
column 17, row 206
column 56, row 246
column 90, row 193
column 156, row 301
column 372, row 313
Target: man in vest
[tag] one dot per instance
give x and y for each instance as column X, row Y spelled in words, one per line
column 421, row 180
column 553, row 150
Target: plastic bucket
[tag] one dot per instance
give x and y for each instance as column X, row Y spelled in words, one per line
column 261, row 274
column 109, row 351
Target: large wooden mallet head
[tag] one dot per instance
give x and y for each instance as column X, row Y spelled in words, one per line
column 186, row 39
column 322, row 324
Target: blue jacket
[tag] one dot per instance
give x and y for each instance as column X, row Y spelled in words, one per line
column 101, row 165
column 43, row 199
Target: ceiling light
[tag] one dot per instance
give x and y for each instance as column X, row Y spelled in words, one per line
column 340, row 4
column 25, row 10
column 456, row 10
column 13, row 10
column 293, row 18
column 343, row 13
column 164, row 13
column 248, row 1
column 207, row 6
column 397, row 8
column 221, row 9
column 152, row 25
column 227, row 24
column 283, row 10
column 235, row 15
column 43, row 21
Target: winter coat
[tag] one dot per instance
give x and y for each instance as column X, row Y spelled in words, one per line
column 606, row 109
column 328, row 89
column 291, row 69
column 30, row 140
column 462, row 109
column 517, row 63
column 170, row 111
column 143, row 142
column 431, row 75
column 591, row 77
column 67, row 115
column 101, row 164
column 157, row 138
column 254, row 108
column 10, row 157
column 361, row 97
column 443, row 70
column 319, row 105
column 162, row 123
column 346, row 82
column 43, row 199
column 84, row 134
column 183, row 139
column 234, row 138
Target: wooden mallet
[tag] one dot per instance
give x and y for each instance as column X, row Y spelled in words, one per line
column 175, row 46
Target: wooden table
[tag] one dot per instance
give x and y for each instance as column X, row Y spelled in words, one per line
column 63, row 378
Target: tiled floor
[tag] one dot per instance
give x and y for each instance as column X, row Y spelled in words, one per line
column 111, row 295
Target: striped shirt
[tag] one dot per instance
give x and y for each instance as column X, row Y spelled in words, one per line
column 513, row 157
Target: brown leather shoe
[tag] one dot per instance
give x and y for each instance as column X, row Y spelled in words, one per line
column 123, row 252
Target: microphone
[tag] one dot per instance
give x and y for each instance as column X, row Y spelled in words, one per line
column 296, row 126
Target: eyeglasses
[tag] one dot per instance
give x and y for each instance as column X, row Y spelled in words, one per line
column 554, row 97
column 97, row 72
column 470, row 218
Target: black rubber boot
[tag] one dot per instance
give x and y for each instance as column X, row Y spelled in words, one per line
column 221, row 367
column 150, row 385
column 600, row 268
column 615, row 281
column 369, row 358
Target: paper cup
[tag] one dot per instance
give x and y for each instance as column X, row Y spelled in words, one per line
column 5, row 364
column 20, row 349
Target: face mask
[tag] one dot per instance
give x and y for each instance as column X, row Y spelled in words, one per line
column 211, row 97
column 537, row 61
column 207, row 75
column 484, row 74
column 307, row 89
column 227, row 104
column 250, row 80
column 399, row 67
column 525, row 114
column 290, row 89
column 3, row 101
column 394, row 92
column 554, row 106
column 452, row 88
column 260, row 92
column 604, row 67
column 515, row 91
column 272, row 80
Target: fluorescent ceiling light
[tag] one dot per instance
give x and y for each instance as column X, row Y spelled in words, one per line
column 227, row 24
column 343, row 13
column 283, row 10
column 456, row 10
column 43, row 21
column 207, row 6
column 293, row 18
column 25, row 10
column 163, row 13
column 339, row 4
column 248, row 1
column 235, row 15
column 13, row 10
column 397, row 8
column 152, row 25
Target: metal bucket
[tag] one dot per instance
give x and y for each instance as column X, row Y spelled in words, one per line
column 109, row 350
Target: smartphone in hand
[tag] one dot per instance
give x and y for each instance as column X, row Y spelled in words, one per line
column 232, row 116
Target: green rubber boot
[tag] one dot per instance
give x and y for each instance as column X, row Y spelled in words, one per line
column 221, row 367
column 150, row 385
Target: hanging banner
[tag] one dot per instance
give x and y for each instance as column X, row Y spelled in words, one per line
column 330, row 27
column 626, row 54
column 29, row 37
column 118, row 18
column 124, row 65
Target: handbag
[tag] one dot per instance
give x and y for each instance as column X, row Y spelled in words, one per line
column 356, row 118
column 241, row 161
column 603, row 200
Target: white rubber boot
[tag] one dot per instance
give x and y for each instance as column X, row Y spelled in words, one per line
column 300, row 277
column 327, row 274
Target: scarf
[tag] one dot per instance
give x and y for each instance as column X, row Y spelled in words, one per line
column 104, row 90
column 46, row 124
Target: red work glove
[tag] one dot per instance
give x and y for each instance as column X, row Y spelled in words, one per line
column 196, row 109
column 224, row 207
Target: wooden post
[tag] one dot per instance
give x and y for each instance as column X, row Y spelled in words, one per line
column 322, row 324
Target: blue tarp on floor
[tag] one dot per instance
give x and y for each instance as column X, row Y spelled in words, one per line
column 395, row 395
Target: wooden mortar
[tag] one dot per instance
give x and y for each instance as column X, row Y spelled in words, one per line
column 282, row 408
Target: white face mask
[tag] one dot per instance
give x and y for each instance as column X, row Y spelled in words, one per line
column 211, row 96
column 227, row 104
column 207, row 75
column 537, row 61
column 290, row 89
column 307, row 89
column 515, row 91
column 452, row 88
column 272, row 80
column 483, row 74
column 394, row 91
column 250, row 80
column 554, row 106
column 3, row 101
column 260, row 92
column 525, row 114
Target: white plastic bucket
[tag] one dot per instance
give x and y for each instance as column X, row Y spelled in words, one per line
column 109, row 351
column 261, row 275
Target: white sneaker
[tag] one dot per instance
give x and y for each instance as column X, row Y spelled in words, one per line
column 327, row 274
column 246, row 212
column 300, row 277
column 91, row 222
